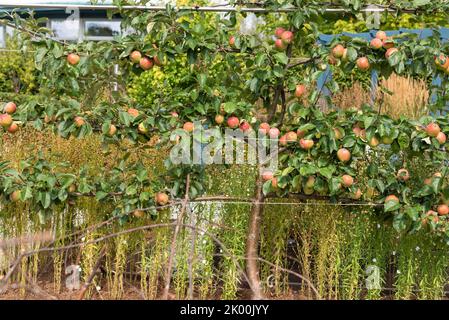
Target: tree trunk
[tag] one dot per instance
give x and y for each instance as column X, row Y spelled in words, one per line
column 252, row 242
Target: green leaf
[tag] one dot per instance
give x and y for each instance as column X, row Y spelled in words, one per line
column 281, row 57
column 391, row 205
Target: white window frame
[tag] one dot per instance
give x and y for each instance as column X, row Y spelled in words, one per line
column 75, row 37
column 96, row 38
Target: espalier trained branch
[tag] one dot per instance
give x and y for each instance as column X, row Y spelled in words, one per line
column 246, row 81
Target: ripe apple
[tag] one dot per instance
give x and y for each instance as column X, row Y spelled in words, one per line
column 381, row 35
column 441, row 137
column 15, row 196
column 287, row 37
column 13, row 128
column 347, row 180
column 357, row 131
column 135, row 56
column 142, row 129
column 306, row 144
column 138, row 213
column 146, row 63
column 443, row 210
column 5, row 120
column 300, row 90
column 133, row 112
column 267, row 175
column 264, row 128
column 390, row 52
column 245, row 126
column 403, row 175
column 376, row 43
column 437, row 175
column 188, row 126
column 219, row 119
column 279, row 45
column 231, row 41
column 338, row 51
column 363, row 63
column 10, row 108
column 233, row 122
column 79, row 121
column 274, row 182
column 73, row 59
column 274, row 133
column 283, row 140
column 291, row 136
column 433, row 129
column 343, row 155
column 161, row 198
column 278, row 32
column 112, row 130
column 388, row 43
column 357, row 194
column 428, row 181
column 174, row 114
column 391, row 197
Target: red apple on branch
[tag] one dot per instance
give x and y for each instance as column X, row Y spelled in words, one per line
column 300, row 90
column 264, row 128
column 79, row 121
column 381, row 35
column 363, row 63
column 73, row 59
column 161, row 198
column 287, row 37
column 347, row 180
column 245, row 126
column 10, row 108
column 306, row 144
column 278, row 32
column 219, row 119
column 146, row 63
column 443, row 210
column 15, row 196
column 135, row 56
column 13, row 128
column 267, row 175
column 188, row 126
column 338, row 51
column 390, row 52
column 376, row 43
column 433, row 129
column 5, row 120
column 441, row 137
column 274, row 133
column 233, row 122
column 344, row 155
